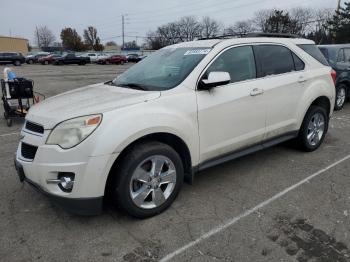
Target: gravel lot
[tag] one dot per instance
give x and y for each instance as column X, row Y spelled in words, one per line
column 250, row 209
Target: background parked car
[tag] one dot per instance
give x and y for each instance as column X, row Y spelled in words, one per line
column 114, row 59
column 48, row 59
column 93, row 56
column 134, row 58
column 32, row 59
column 70, row 58
column 338, row 57
column 11, row 58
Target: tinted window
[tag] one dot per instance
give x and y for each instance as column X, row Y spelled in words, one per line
column 239, row 62
column 298, row 63
column 325, row 53
column 274, row 59
column 315, row 53
column 340, row 57
column 347, row 55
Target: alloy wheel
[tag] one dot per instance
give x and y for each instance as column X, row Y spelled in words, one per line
column 316, row 129
column 152, row 182
column 341, row 96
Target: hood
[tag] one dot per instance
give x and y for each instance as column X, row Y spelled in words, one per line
column 88, row 100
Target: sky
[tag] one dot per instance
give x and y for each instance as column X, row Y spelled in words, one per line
column 141, row 16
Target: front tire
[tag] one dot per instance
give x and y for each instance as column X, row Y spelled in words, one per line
column 341, row 95
column 17, row 63
column 313, row 128
column 149, row 179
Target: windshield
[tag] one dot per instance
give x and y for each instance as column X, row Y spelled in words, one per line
column 162, row 70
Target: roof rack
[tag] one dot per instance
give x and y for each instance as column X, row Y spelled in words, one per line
column 283, row 35
column 254, row 34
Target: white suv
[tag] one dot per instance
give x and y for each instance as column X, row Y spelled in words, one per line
column 185, row 108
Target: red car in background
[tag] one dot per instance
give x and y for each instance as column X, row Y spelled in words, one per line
column 48, row 59
column 114, row 59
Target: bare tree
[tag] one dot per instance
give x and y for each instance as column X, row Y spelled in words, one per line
column 91, row 39
column 44, row 36
column 241, row 28
column 210, row 27
column 111, row 43
column 190, row 28
column 303, row 18
column 260, row 18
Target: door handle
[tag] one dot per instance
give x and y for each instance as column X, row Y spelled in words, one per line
column 302, row 79
column 256, row 92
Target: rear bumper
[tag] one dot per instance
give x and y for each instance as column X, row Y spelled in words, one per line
column 79, row 206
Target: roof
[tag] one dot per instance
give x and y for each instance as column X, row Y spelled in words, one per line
column 20, row 38
column 235, row 41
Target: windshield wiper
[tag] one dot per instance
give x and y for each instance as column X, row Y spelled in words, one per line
column 133, row 86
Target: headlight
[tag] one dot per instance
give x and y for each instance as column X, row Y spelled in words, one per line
column 70, row 133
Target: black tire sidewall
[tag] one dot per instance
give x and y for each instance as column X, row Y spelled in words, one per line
column 129, row 164
column 304, row 128
column 341, row 86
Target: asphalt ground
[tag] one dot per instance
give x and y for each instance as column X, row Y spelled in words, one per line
column 279, row 204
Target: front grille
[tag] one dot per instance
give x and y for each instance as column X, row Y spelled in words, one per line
column 34, row 127
column 28, row 151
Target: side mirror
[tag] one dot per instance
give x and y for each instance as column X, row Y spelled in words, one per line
column 214, row 79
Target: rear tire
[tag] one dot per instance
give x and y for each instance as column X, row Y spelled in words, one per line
column 341, row 95
column 313, row 128
column 46, row 62
column 140, row 189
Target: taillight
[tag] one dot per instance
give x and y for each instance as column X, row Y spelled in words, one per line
column 334, row 76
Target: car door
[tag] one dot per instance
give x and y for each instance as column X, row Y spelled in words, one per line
column 70, row 59
column 284, row 84
column 232, row 116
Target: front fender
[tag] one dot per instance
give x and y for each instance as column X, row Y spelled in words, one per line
column 121, row 127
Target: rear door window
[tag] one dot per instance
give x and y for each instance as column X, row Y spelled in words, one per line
column 298, row 63
column 239, row 62
column 273, row 60
column 315, row 53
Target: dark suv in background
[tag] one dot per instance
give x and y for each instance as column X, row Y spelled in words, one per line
column 11, row 58
column 338, row 57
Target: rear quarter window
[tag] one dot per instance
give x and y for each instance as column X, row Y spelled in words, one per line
column 315, row 53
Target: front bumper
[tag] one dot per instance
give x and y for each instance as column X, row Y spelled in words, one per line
column 79, row 206
column 49, row 161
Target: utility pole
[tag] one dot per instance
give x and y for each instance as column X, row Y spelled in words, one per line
column 338, row 6
column 123, row 24
column 37, row 36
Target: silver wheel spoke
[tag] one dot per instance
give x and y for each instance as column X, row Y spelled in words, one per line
column 310, row 136
column 168, row 177
column 141, row 175
column 140, row 195
column 157, row 166
column 158, row 197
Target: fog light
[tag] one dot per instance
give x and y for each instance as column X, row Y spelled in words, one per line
column 65, row 181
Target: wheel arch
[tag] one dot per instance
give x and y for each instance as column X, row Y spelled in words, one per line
column 170, row 139
column 322, row 101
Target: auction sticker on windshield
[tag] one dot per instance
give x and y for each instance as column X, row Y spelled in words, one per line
column 197, row 52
